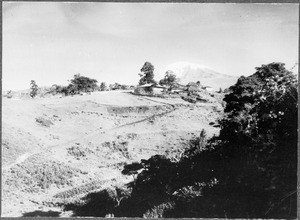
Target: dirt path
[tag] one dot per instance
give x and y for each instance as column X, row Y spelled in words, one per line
column 150, row 117
column 145, row 119
column 19, row 160
column 149, row 99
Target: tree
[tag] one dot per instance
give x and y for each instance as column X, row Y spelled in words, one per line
column 258, row 143
column 119, row 194
column 147, row 75
column 34, row 88
column 169, row 79
column 103, row 86
column 82, row 84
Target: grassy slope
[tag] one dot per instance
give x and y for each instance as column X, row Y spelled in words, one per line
column 89, row 139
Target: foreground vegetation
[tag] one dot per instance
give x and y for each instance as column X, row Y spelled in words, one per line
column 249, row 170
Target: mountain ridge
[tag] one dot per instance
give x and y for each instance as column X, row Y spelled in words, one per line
column 190, row 72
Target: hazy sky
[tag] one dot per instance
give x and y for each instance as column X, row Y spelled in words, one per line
column 51, row 41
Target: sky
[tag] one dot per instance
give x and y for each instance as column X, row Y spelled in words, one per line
column 49, row 42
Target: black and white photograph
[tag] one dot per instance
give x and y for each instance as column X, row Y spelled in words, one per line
column 149, row 109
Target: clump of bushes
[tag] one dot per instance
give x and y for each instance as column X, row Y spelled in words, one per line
column 118, row 147
column 117, row 86
column 79, row 84
column 159, row 211
column 8, row 94
column 132, row 136
column 34, row 176
column 143, row 90
column 86, row 188
column 44, row 122
column 78, row 152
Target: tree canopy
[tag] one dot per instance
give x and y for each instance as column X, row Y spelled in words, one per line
column 169, row 79
column 103, row 86
column 259, row 136
column 147, row 75
column 33, row 89
column 79, row 84
column 82, row 84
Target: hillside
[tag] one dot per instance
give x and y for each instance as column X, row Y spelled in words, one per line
column 58, row 149
column 190, row 72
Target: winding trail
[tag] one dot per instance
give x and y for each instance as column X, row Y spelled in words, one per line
column 150, row 117
column 19, row 160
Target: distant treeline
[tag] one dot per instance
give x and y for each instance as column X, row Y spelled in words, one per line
column 82, row 84
column 78, row 85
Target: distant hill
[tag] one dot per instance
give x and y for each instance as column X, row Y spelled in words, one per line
column 190, row 72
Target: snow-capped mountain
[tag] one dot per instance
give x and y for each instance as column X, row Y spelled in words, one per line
column 190, row 72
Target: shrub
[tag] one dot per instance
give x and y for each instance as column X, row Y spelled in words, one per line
column 103, row 86
column 33, row 89
column 8, row 94
column 159, row 210
column 44, row 122
column 143, row 91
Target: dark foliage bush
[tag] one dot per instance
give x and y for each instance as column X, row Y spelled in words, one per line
column 44, row 122
column 83, row 84
column 77, row 85
column 259, row 142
